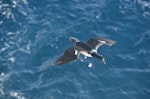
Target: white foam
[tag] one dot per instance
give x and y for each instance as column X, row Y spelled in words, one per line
column 14, row 4
column 12, row 59
column 3, row 77
column 17, row 95
column 3, row 49
column 25, row 1
column 81, row 60
column 85, row 57
column 1, row 22
column 2, row 74
column 90, row 65
column 97, row 16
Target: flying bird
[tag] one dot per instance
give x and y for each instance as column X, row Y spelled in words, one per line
column 88, row 49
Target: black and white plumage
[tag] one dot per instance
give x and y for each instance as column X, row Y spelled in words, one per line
column 88, row 49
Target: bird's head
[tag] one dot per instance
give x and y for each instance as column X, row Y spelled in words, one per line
column 102, row 60
column 99, row 57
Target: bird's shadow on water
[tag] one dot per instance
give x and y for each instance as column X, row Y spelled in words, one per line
column 49, row 63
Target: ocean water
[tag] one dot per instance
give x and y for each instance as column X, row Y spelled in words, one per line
column 33, row 34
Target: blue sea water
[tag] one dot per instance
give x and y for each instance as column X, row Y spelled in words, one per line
column 33, row 34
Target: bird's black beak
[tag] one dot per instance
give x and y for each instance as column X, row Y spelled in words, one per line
column 103, row 61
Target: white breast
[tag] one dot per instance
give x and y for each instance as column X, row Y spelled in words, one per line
column 86, row 54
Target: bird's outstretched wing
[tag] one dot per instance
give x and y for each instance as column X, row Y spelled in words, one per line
column 96, row 42
column 70, row 54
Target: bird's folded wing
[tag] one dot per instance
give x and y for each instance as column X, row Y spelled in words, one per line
column 96, row 42
column 70, row 54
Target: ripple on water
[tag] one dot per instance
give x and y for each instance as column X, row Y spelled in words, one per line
column 32, row 32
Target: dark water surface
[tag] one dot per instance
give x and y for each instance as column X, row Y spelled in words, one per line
column 33, row 34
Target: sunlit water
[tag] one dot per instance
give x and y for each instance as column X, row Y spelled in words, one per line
column 33, row 34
